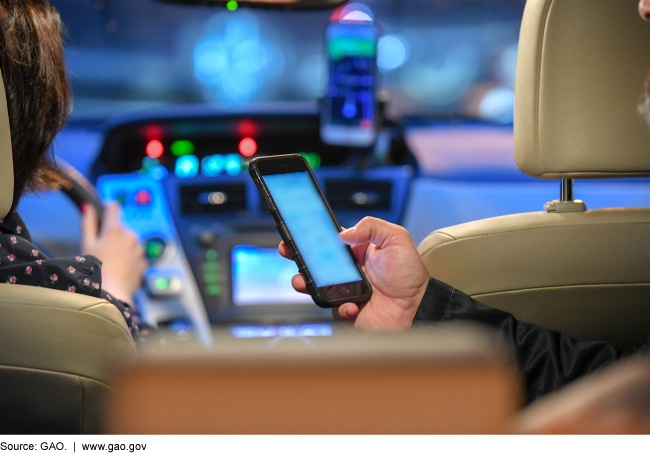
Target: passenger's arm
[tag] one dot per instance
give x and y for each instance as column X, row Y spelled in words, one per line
column 404, row 294
column 547, row 359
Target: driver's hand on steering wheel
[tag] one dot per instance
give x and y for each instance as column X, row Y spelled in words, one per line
column 122, row 255
column 389, row 258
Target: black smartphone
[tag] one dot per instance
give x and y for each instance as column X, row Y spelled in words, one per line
column 349, row 108
column 309, row 228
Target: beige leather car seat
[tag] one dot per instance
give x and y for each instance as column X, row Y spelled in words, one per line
column 580, row 73
column 58, row 350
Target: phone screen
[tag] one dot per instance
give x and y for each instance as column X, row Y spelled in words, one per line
column 312, row 228
column 349, row 107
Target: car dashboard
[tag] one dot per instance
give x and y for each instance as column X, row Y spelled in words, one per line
column 181, row 178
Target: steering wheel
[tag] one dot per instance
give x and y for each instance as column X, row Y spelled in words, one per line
column 79, row 189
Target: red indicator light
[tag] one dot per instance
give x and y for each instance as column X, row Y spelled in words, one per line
column 150, row 132
column 247, row 147
column 154, row 149
column 366, row 124
column 247, row 128
column 143, row 197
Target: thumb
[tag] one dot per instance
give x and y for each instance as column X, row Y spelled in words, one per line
column 373, row 230
column 88, row 226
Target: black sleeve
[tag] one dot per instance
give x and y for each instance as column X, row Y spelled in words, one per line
column 547, row 359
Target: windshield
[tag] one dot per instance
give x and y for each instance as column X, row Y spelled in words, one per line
column 436, row 58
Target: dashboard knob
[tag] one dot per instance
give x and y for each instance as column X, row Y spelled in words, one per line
column 155, row 248
column 207, row 239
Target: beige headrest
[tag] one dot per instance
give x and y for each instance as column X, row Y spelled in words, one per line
column 6, row 160
column 580, row 72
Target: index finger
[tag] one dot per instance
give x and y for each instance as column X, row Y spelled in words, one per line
column 284, row 251
column 88, row 221
column 111, row 214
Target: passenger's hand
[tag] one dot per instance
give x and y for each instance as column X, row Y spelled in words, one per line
column 395, row 270
column 119, row 250
column 615, row 400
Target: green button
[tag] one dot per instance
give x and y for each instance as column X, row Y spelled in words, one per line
column 211, row 254
column 154, row 249
column 182, row 147
column 211, row 278
column 213, row 289
column 211, row 266
column 161, row 283
column 313, row 159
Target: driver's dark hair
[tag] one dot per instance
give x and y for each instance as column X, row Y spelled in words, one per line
column 38, row 99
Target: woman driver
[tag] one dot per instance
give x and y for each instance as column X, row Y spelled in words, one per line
column 33, row 69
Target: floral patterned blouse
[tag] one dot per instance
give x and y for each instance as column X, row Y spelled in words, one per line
column 21, row 262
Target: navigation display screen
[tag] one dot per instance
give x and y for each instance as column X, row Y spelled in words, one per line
column 312, row 228
column 352, row 52
column 263, row 276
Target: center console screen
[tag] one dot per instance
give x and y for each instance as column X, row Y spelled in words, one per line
column 263, row 276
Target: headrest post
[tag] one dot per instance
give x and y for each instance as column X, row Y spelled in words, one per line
column 566, row 190
column 566, row 203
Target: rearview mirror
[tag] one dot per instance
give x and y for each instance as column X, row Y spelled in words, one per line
column 271, row 4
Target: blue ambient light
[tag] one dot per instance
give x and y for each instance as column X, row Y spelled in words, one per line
column 211, row 166
column 282, row 331
column 187, row 166
column 158, row 172
column 233, row 164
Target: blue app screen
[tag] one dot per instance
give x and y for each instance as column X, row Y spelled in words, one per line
column 312, row 228
column 352, row 52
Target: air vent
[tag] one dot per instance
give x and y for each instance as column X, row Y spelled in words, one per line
column 358, row 195
column 213, row 198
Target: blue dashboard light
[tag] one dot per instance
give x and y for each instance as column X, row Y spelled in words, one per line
column 233, row 164
column 315, row 330
column 187, row 166
column 247, row 332
column 211, row 166
column 287, row 331
column 158, row 172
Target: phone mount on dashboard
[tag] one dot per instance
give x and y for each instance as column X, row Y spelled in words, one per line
column 349, row 107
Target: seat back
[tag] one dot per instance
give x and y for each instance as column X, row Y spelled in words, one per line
column 58, row 353
column 584, row 274
column 58, row 350
column 580, row 73
column 449, row 380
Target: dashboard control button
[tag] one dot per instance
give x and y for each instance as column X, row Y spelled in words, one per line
column 120, row 198
column 143, row 197
column 211, row 278
column 161, row 285
column 207, row 239
column 211, row 266
column 212, row 289
column 154, row 248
